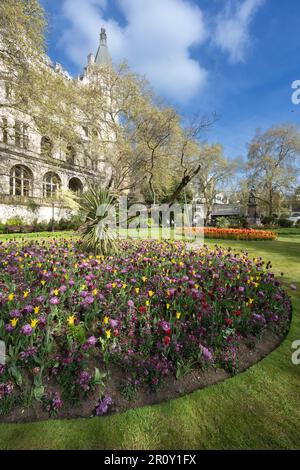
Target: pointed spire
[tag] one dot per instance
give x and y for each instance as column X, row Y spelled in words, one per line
column 103, row 56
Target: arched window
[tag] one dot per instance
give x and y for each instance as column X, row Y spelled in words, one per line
column 46, row 147
column 21, row 181
column 52, row 184
column 75, row 185
column 71, row 155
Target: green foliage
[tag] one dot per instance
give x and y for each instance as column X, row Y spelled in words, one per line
column 97, row 208
column 222, row 222
column 14, row 221
column 40, row 226
column 39, row 389
column 285, row 223
column 270, row 220
column 99, row 380
column 33, row 207
column 238, row 222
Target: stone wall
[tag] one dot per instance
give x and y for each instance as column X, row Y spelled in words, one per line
column 44, row 213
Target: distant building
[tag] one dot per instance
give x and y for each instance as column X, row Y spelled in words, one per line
column 222, row 207
column 33, row 168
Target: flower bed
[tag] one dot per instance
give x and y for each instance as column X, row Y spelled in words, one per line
column 231, row 234
column 155, row 311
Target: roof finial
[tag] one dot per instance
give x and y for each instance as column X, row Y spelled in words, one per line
column 103, row 37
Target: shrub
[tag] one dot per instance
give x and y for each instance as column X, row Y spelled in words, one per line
column 52, row 224
column 298, row 223
column 15, row 221
column 222, row 222
column 64, row 224
column 42, row 226
column 269, row 220
column 285, row 223
column 76, row 221
column 96, row 206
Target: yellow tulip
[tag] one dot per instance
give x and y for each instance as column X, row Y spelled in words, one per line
column 71, row 320
column 34, row 323
column 14, row 322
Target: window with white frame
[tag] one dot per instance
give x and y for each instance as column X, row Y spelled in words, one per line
column 51, row 184
column 21, row 181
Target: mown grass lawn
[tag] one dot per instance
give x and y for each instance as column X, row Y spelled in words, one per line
column 258, row 409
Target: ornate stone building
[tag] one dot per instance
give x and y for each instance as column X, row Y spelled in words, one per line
column 33, row 169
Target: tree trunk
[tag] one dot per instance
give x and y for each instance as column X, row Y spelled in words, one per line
column 271, row 203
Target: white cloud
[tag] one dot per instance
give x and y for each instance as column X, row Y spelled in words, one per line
column 156, row 40
column 232, row 31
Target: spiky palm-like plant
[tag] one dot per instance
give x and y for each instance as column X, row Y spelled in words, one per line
column 97, row 208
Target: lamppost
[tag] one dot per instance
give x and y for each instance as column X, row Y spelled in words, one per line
column 53, row 215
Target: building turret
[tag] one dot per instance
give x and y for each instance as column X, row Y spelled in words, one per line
column 103, row 56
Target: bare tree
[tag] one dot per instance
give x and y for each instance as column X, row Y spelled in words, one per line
column 273, row 162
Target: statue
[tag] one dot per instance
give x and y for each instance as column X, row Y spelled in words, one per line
column 252, row 197
column 103, row 36
column 253, row 217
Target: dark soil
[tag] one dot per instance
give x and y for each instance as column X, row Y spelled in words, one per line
column 170, row 389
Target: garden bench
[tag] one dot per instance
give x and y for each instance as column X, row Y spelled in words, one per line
column 18, row 229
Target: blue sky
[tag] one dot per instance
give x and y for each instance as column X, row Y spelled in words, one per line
column 237, row 58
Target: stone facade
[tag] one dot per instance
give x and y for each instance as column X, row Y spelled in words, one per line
column 33, row 169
